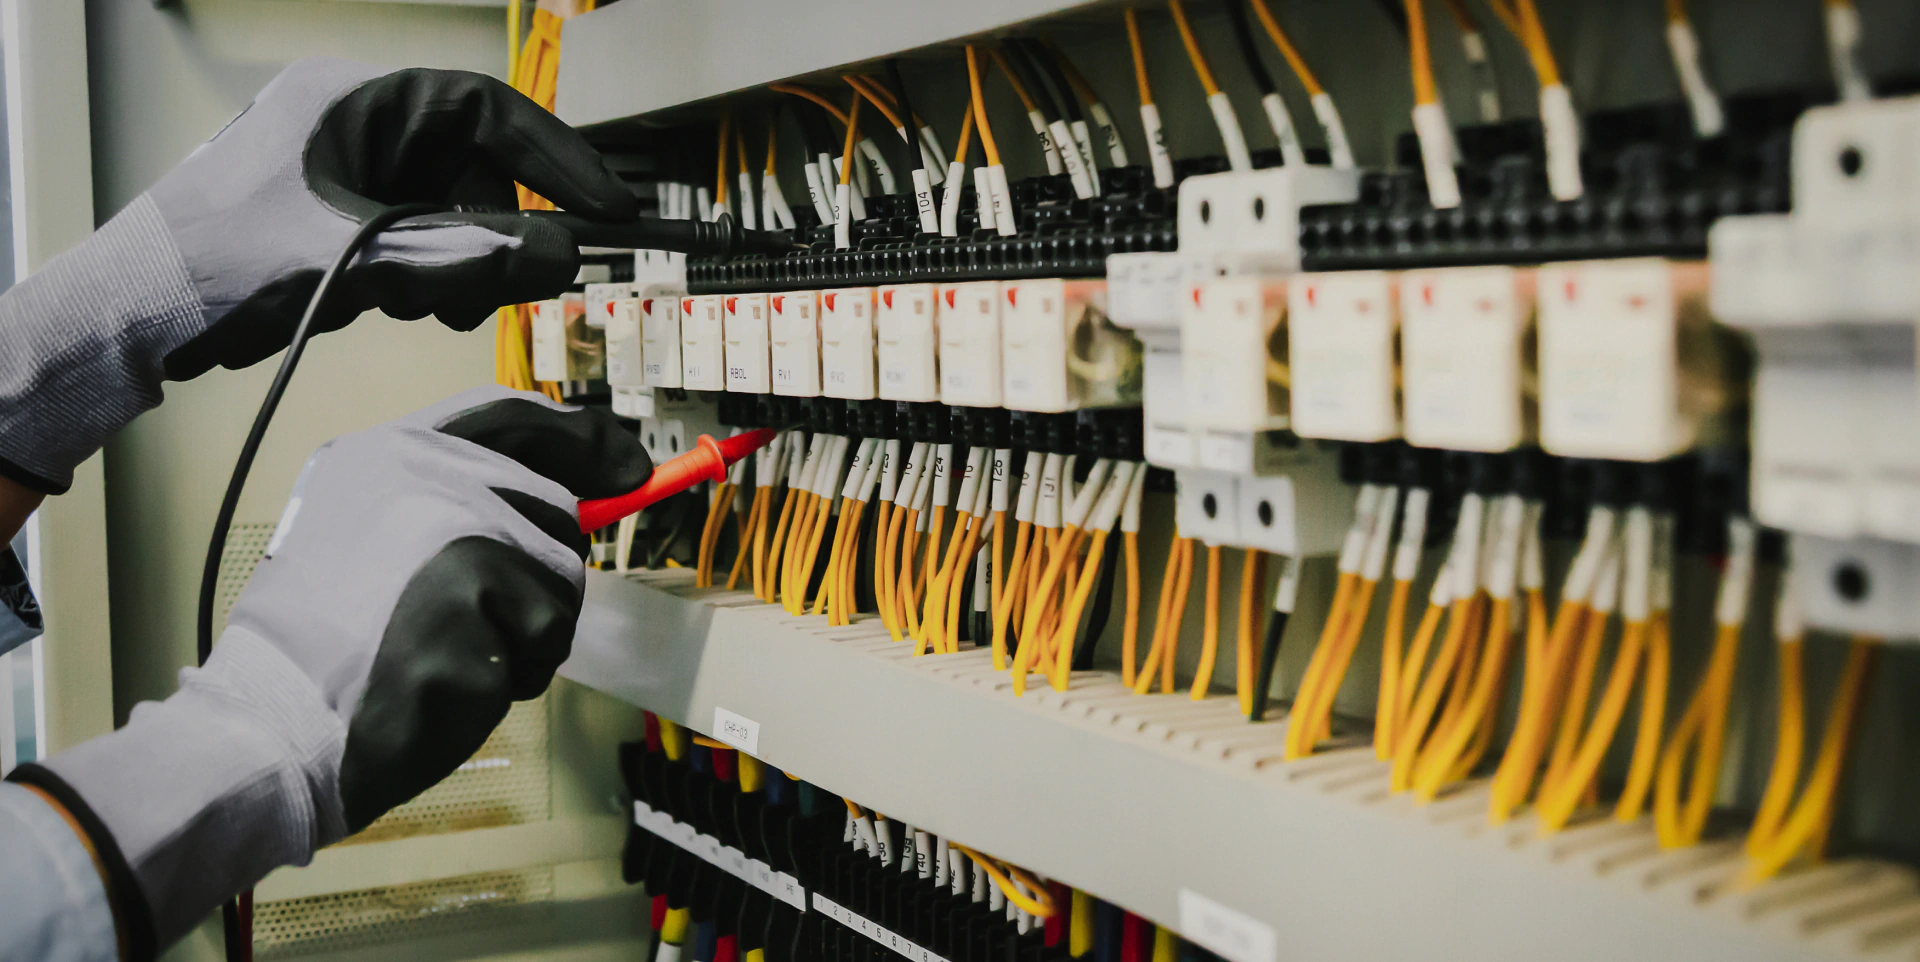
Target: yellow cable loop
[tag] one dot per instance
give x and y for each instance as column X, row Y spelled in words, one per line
column 1300, row 732
column 1453, row 744
column 1653, row 720
column 1788, row 746
column 1176, row 616
column 1014, row 580
column 1805, row 831
column 1413, row 727
column 1559, row 799
column 1701, row 731
column 1391, row 657
column 1041, row 907
column 1513, row 781
column 1210, row 627
column 1070, row 620
column 996, row 586
column 778, row 550
column 1192, row 43
column 1336, row 673
column 740, row 556
column 958, row 581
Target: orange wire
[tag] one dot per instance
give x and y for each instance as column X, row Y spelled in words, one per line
column 720, row 189
column 980, row 109
column 847, row 159
column 1013, row 79
column 1294, row 60
column 966, row 138
column 867, row 89
column 1423, row 86
column 806, row 94
column 1140, row 58
column 1192, row 44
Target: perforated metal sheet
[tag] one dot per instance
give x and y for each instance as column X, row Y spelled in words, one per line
column 346, row 920
column 246, row 545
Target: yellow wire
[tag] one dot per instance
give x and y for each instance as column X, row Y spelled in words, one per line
column 744, row 552
column 777, row 549
column 1455, row 748
column 1535, row 38
column 1702, row 730
column 1210, row 627
column 720, row 188
column 773, row 132
column 1423, row 85
column 1130, row 629
column 966, row 138
column 1653, row 720
column 1787, row 749
column 980, row 108
column 1013, row 79
column 853, row 136
column 1559, row 798
column 1300, row 732
column 805, row 94
column 1139, row 59
column 1042, row 906
column 1192, row 43
column 1253, row 576
column 1805, row 831
column 1540, row 702
column 1293, row 58
column 1384, row 714
column 1504, row 13
column 1163, row 638
column 861, row 86
column 1413, row 728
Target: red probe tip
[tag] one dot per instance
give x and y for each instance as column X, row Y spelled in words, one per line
column 708, row 461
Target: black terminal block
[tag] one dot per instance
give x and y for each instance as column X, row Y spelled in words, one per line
column 1060, row 236
column 1652, row 189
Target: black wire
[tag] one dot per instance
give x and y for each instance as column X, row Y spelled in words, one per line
column 1102, row 602
column 1269, row 659
column 1048, row 64
column 679, row 530
column 909, row 128
column 1042, row 85
column 238, row 939
column 1243, row 36
column 1396, row 14
column 1023, row 68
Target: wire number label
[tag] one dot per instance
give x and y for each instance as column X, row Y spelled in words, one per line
column 1232, row 935
column 737, row 730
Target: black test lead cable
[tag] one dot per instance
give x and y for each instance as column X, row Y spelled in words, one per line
column 722, row 236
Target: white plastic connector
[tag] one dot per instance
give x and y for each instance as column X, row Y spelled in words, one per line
column 969, row 326
column 847, row 355
column 1435, row 133
column 624, row 348
column 1562, row 129
column 908, row 343
column 1231, row 136
column 1464, row 358
column 1157, row 155
column 703, row 361
column 1233, row 344
column 1865, row 587
column 748, row 336
column 1255, row 216
column 1342, row 328
column 548, row 334
column 794, row 332
column 1609, row 361
column 1207, row 507
column 660, row 340
column 1059, row 352
column 1283, row 130
column 1339, row 150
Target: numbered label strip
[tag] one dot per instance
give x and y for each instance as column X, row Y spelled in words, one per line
column 867, row 927
column 728, row 859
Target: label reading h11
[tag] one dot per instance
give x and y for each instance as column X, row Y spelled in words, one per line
column 736, row 730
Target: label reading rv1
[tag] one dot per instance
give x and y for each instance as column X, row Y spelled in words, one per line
column 736, row 730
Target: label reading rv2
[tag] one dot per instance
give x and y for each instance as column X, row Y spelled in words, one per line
column 737, row 730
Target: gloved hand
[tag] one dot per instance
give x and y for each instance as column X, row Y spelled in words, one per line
column 215, row 264
column 425, row 574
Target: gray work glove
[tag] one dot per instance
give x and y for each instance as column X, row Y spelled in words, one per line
column 426, row 573
column 215, row 264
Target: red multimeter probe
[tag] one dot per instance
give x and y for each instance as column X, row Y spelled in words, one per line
column 708, row 461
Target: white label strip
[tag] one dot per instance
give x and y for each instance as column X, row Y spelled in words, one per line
column 737, row 730
column 1232, row 935
column 728, row 859
column 872, row 930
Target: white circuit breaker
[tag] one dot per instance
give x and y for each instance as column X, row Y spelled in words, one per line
column 703, row 362
column 794, row 329
column 969, row 324
column 1467, row 358
column 908, row 342
column 1342, row 330
column 660, row 339
column 748, row 360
